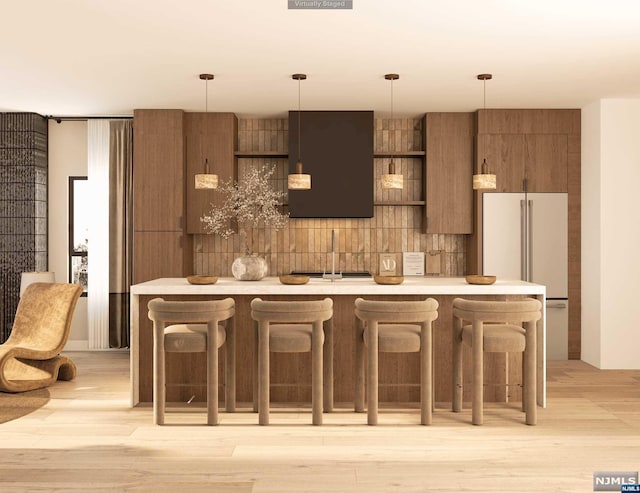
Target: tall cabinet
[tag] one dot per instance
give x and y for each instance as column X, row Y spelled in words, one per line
column 170, row 148
column 537, row 150
column 160, row 248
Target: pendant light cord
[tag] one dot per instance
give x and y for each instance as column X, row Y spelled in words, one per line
column 299, row 136
column 206, row 110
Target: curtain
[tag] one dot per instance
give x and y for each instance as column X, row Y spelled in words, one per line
column 98, row 265
column 120, row 230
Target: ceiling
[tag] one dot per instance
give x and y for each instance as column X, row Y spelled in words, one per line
column 107, row 57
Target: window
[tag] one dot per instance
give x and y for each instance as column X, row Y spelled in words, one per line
column 79, row 217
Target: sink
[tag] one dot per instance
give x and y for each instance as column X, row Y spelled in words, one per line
column 319, row 274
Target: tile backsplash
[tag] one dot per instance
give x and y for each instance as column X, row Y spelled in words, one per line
column 305, row 244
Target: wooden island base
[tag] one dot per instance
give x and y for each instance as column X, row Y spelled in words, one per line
column 291, row 373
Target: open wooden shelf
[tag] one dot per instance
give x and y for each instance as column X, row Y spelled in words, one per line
column 261, row 154
column 399, row 202
column 399, row 154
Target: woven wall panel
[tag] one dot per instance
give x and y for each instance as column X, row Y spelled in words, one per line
column 23, row 206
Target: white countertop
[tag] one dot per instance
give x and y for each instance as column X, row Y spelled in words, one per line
column 348, row 286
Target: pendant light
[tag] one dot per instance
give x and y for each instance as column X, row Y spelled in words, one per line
column 206, row 180
column 299, row 180
column 485, row 180
column 392, row 180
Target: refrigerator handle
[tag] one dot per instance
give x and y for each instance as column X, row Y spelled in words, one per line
column 556, row 304
column 523, row 240
column 530, row 241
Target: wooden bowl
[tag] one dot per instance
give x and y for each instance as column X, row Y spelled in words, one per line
column 475, row 279
column 202, row 279
column 294, row 279
column 388, row 279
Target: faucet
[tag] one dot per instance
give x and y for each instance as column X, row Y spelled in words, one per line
column 333, row 276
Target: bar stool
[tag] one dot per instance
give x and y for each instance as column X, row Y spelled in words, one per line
column 496, row 326
column 295, row 327
column 195, row 328
column 393, row 327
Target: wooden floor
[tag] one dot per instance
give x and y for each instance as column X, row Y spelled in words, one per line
column 86, row 438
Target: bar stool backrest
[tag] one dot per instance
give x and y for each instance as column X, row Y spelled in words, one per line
column 292, row 311
column 497, row 311
column 190, row 311
column 397, row 312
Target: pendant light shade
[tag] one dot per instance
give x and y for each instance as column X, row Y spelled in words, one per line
column 299, row 180
column 206, row 180
column 392, row 180
column 485, row 180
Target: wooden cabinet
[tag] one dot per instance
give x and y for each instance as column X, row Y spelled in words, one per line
column 210, row 136
column 161, row 254
column 449, row 141
column 527, row 147
column 158, row 170
column 543, row 147
column 159, row 246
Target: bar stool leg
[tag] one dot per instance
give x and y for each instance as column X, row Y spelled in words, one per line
column 478, row 377
column 230, row 367
column 426, row 389
column 317, row 390
column 159, row 394
column 327, row 366
column 456, row 370
column 263, row 372
column 358, row 401
column 372, row 373
column 212, row 373
column 256, row 357
column 530, row 374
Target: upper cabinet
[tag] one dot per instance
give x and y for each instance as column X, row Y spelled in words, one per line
column 527, row 147
column 158, row 171
column 449, row 141
column 211, row 137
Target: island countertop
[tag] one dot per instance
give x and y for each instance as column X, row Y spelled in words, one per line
column 343, row 291
column 347, row 286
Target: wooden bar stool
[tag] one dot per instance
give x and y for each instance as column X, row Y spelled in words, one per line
column 496, row 326
column 295, row 327
column 394, row 327
column 195, row 328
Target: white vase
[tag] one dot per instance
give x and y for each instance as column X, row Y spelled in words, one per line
column 249, row 268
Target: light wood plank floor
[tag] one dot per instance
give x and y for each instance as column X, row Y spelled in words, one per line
column 86, row 438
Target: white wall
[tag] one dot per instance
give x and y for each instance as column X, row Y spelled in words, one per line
column 67, row 157
column 611, row 233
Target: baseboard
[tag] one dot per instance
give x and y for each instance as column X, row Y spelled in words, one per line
column 83, row 345
column 77, row 345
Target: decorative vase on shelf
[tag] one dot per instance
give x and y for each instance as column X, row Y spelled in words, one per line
column 249, row 268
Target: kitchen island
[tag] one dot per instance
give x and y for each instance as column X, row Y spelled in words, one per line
column 291, row 373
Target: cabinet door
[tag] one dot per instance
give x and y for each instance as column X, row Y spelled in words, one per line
column 505, row 156
column 449, row 170
column 160, row 254
column 210, row 136
column 158, row 170
column 546, row 162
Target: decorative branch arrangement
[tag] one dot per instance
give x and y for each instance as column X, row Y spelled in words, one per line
column 250, row 203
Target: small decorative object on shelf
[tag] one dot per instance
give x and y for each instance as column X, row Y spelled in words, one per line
column 202, row 279
column 388, row 279
column 249, row 203
column 291, row 279
column 475, row 279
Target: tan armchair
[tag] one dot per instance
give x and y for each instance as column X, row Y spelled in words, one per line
column 30, row 358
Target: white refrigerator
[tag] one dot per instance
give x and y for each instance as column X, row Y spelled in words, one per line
column 524, row 236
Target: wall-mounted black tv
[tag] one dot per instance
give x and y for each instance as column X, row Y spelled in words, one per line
column 336, row 148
